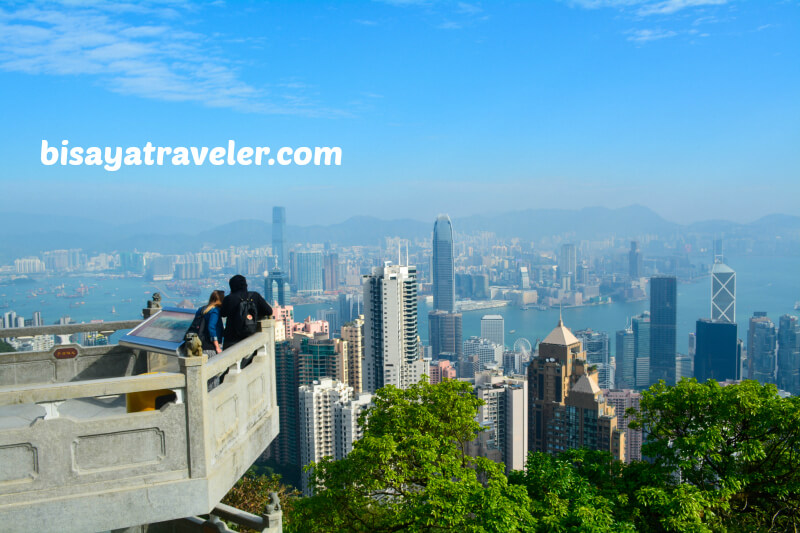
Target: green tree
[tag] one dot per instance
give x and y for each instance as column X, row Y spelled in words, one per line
column 5, row 347
column 584, row 490
column 737, row 447
column 410, row 471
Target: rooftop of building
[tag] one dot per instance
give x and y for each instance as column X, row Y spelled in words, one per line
column 561, row 336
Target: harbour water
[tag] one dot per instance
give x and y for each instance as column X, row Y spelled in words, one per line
column 762, row 284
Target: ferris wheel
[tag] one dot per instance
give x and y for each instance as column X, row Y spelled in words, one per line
column 523, row 346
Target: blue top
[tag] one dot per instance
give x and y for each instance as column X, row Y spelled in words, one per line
column 213, row 323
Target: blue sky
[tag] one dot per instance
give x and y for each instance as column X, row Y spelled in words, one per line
column 689, row 107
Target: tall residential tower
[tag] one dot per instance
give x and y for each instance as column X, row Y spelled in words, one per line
column 391, row 341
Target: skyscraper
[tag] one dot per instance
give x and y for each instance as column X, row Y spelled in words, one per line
column 444, row 296
column 622, row 400
column 493, row 328
column 640, row 325
column 330, row 272
column 626, row 360
column 567, row 266
column 505, row 415
column 663, row 321
column 489, row 353
column 391, row 352
column 353, row 333
column 351, row 306
column 329, row 411
column 309, row 273
column 717, row 354
column 275, row 288
column 444, row 324
column 595, row 344
column 566, row 407
column 634, row 261
column 762, row 340
column 278, row 239
column 723, row 293
column 445, row 335
column 789, row 354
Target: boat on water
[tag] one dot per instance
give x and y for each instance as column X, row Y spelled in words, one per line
column 797, row 306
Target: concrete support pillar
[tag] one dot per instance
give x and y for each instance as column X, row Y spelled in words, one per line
column 196, row 408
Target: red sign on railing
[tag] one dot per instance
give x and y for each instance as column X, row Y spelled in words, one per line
column 65, row 353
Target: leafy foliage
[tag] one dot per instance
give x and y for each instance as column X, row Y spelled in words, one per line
column 725, row 459
column 5, row 347
column 409, row 472
column 738, row 445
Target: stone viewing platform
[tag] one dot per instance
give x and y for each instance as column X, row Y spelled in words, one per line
column 73, row 458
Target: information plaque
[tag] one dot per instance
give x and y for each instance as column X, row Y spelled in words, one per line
column 162, row 333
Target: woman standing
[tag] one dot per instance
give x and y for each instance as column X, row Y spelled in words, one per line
column 211, row 332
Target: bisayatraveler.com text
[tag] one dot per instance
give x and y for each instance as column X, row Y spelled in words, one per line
column 112, row 158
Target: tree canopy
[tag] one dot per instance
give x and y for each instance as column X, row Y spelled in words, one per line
column 409, row 472
column 721, row 459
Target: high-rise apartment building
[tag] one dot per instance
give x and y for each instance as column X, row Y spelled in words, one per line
column 566, row 407
column 285, row 449
column 663, row 322
column 278, row 238
column 622, row 400
column 329, row 411
column 762, row 341
column 504, row 414
column 392, row 354
column 717, row 353
column 444, row 295
column 353, row 334
column 445, row 335
column 789, row 354
column 595, row 344
column 723, row 293
column 322, row 357
column 493, row 329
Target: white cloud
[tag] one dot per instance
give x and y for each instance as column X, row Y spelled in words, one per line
column 643, row 36
column 647, row 7
column 158, row 60
column 469, row 9
column 669, row 7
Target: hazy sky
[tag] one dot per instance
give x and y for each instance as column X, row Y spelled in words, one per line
column 689, row 107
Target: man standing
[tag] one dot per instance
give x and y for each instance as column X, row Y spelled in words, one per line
column 243, row 309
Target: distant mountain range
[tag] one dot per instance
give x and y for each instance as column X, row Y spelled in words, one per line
column 32, row 234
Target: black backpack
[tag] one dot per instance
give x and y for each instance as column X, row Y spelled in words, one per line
column 199, row 328
column 248, row 316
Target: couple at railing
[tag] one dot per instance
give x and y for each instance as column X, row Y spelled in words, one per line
column 242, row 309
